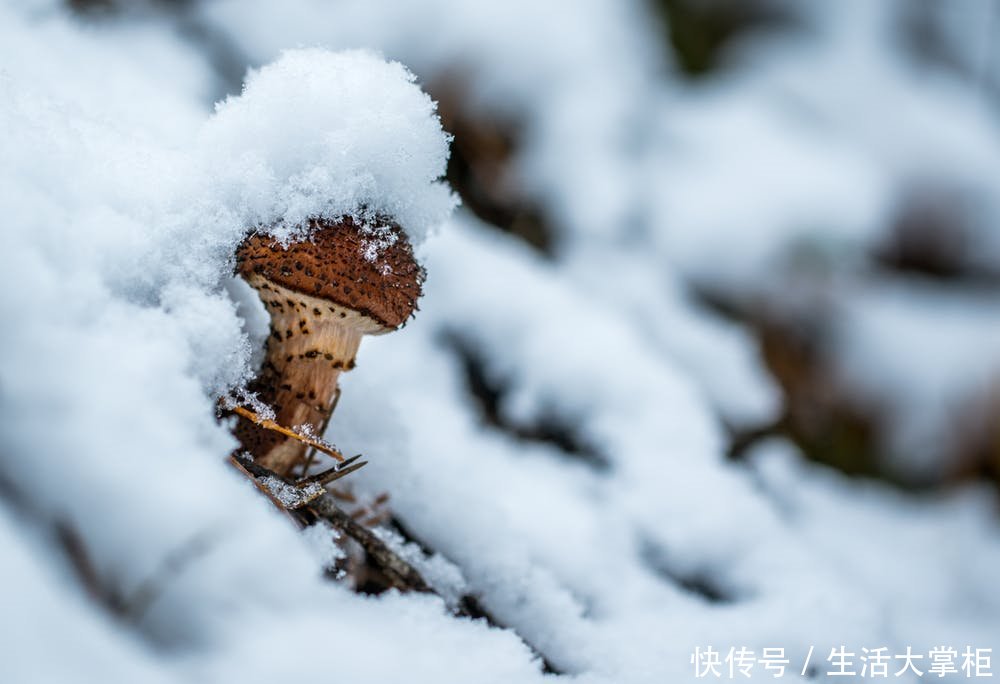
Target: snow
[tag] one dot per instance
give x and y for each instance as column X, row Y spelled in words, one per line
column 327, row 134
column 504, row 58
column 879, row 534
column 134, row 551
column 440, row 573
column 583, row 562
column 323, row 542
column 38, row 600
column 290, row 496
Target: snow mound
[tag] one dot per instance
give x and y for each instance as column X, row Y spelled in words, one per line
column 319, row 133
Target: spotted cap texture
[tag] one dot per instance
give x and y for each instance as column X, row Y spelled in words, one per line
column 331, row 264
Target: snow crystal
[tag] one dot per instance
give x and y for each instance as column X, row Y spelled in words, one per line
column 249, row 400
column 289, row 495
column 306, row 430
column 376, row 240
column 328, row 134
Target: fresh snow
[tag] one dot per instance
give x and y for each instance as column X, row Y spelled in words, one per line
column 328, row 134
column 125, row 193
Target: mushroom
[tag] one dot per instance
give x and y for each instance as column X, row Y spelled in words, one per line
column 323, row 293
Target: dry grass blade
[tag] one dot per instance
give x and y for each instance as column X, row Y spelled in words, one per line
column 335, row 473
column 269, row 424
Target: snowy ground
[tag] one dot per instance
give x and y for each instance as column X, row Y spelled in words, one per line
column 134, row 552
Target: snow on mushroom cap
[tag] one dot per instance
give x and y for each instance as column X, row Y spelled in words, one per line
column 324, row 134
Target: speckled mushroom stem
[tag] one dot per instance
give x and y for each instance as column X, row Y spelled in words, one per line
column 311, row 343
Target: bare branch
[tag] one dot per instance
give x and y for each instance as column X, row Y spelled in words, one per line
column 402, row 575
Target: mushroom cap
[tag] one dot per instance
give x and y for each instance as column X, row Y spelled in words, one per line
column 337, row 263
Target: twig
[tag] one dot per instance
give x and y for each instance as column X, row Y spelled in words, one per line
column 255, row 474
column 343, row 495
column 86, row 572
column 284, row 493
column 269, row 424
column 402, row 575
column 399, row 572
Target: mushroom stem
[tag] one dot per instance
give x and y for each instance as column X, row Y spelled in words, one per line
column 312, row 342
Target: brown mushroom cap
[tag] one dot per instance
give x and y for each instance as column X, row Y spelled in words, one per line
column 332, row 265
